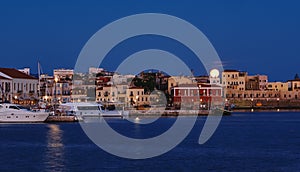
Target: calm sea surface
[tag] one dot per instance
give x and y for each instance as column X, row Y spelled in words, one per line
column 243, row 142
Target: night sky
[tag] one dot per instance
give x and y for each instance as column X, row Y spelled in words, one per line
column 261, row 37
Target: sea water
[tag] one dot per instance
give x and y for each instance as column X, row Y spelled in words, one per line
column 243, row 142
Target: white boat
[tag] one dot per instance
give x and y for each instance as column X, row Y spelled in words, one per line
column 12, row 113
column 87, row 111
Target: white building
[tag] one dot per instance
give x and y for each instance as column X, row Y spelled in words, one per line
column 22, row 87
column 63, row 73
column 95, row 70
column 5, row 88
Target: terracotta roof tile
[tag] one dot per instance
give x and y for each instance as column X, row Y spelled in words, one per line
column 14, row 73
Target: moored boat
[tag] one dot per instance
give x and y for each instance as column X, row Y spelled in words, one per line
column 13, row 113
column 87, row 111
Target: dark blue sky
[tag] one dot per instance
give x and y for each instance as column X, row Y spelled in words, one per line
column 261, row 37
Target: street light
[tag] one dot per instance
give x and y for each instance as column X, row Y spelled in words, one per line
column 55, row 100
column 137, row 103
column 55, row 82
column 278, row 104
column 252, row 105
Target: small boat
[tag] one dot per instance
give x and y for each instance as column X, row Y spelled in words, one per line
column 13, row 113
column 87, row 111
column 226, row 111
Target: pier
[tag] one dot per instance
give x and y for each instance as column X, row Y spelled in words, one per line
column 56, row 118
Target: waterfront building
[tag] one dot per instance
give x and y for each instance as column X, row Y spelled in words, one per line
column 135, row 96
column 203, row 79
column 256, row 82
column 196, row 95
column 278, row 86
column 294, row 85
column 79, row 92
column 233, row 79
column 176, row 81
column 107, row 93
column 290, row 95
column 22, row 88
column 5, row 88
column 251, row 94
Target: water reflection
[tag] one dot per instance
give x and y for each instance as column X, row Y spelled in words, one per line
column 55, row 149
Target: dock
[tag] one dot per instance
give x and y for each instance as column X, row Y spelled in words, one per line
column 56, row 118
column 172, row 113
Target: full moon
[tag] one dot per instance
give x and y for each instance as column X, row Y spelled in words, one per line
column 214, row 73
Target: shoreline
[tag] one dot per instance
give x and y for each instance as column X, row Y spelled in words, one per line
column 172, row 113
column 266, row 109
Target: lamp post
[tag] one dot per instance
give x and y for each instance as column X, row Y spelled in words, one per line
column 55, row 99
column 252, row 105
column 16, row 98
column 278, row 104
column 55, row 82
column 137, row 102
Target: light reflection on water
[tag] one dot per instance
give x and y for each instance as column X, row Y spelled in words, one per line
column 54, row 157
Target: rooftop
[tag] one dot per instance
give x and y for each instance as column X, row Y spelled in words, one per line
column 1, row 77
column 14, row 73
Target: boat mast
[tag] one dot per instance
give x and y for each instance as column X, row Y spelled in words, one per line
column 39, row 76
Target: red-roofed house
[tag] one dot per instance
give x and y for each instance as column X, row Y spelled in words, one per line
column 21, row 88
